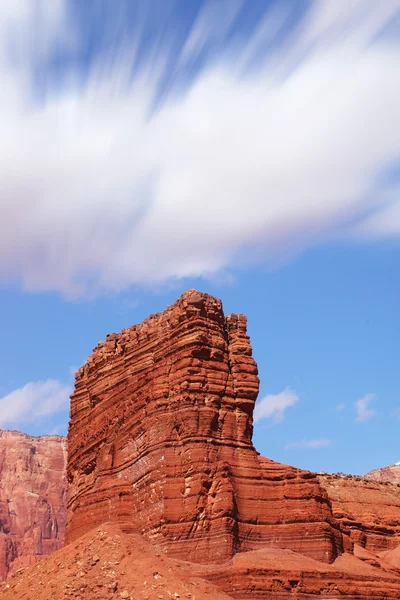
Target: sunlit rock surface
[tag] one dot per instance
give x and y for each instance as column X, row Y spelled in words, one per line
column 32, row 498
column 167, row 497
column 160, row 441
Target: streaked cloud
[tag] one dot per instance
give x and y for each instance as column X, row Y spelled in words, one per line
column 274, row 406
column 277, row 142
column 33, row 402
column 364, row 412
column 309, row 444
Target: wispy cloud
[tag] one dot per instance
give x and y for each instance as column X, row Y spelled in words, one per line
column 308, row 444
column 255, row 157
column 340, row 407
column 396, row 413
column 34, row 401
column 364, row 412
column 274, row 406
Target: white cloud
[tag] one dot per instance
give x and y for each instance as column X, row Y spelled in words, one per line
column 274, row 405
column 340, row 407
column 364, row 412
column 98, row 193
column 309, row 444
column 35, row 400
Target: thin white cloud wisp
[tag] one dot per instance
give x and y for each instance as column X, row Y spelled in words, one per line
column 309, row 444
column 363, row 409
column 273, row 406
column 98, row 192
column 34, row 401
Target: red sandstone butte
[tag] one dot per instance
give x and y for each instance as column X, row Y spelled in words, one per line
column 160, row 441
column 32, row 498
column 168, row 498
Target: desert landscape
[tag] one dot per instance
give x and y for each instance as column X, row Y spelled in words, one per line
column 167, row 496
column 211, row 188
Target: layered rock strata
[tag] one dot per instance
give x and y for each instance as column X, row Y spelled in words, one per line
column 160, row 441
column 32, row 498
column 368, row 511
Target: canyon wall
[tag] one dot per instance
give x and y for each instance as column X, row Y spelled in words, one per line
column 32, row 498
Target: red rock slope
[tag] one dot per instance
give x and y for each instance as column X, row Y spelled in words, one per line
column 32, row 498
column 107, row 564
column 160, row 441
column 390, row 474
column 369, row 511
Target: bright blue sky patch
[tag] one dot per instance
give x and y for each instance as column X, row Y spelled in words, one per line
column 247, row 148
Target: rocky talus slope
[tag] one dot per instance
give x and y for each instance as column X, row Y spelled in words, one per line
column 108, row 564
column 169, row 500
column 32, row 498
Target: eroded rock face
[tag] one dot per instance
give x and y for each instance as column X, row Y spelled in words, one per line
column 32, row 498
column 160, row 444
column 369, row 511
column 390, row 474
column 160, row 441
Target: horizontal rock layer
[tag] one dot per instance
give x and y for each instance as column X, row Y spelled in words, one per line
column 32, row 498
column 160, row 441
column 275, row 574
column 368, row 511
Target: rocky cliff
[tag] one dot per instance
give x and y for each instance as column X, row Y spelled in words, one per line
column 160, row 441
column 369, row 511
column 390, row 474
column 32, row 498
column 168, row 498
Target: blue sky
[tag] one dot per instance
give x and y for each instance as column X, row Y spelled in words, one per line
column 248, row 149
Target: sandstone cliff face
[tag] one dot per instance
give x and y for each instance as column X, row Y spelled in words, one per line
column 390, row 474
column 160, row 441
column 369, row 511
column 32, row 498
column 160, row 444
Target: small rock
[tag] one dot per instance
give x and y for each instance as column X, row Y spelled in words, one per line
column 124, row 595
column 113, row 586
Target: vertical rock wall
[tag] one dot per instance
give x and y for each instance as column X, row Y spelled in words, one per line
column 32, row 498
